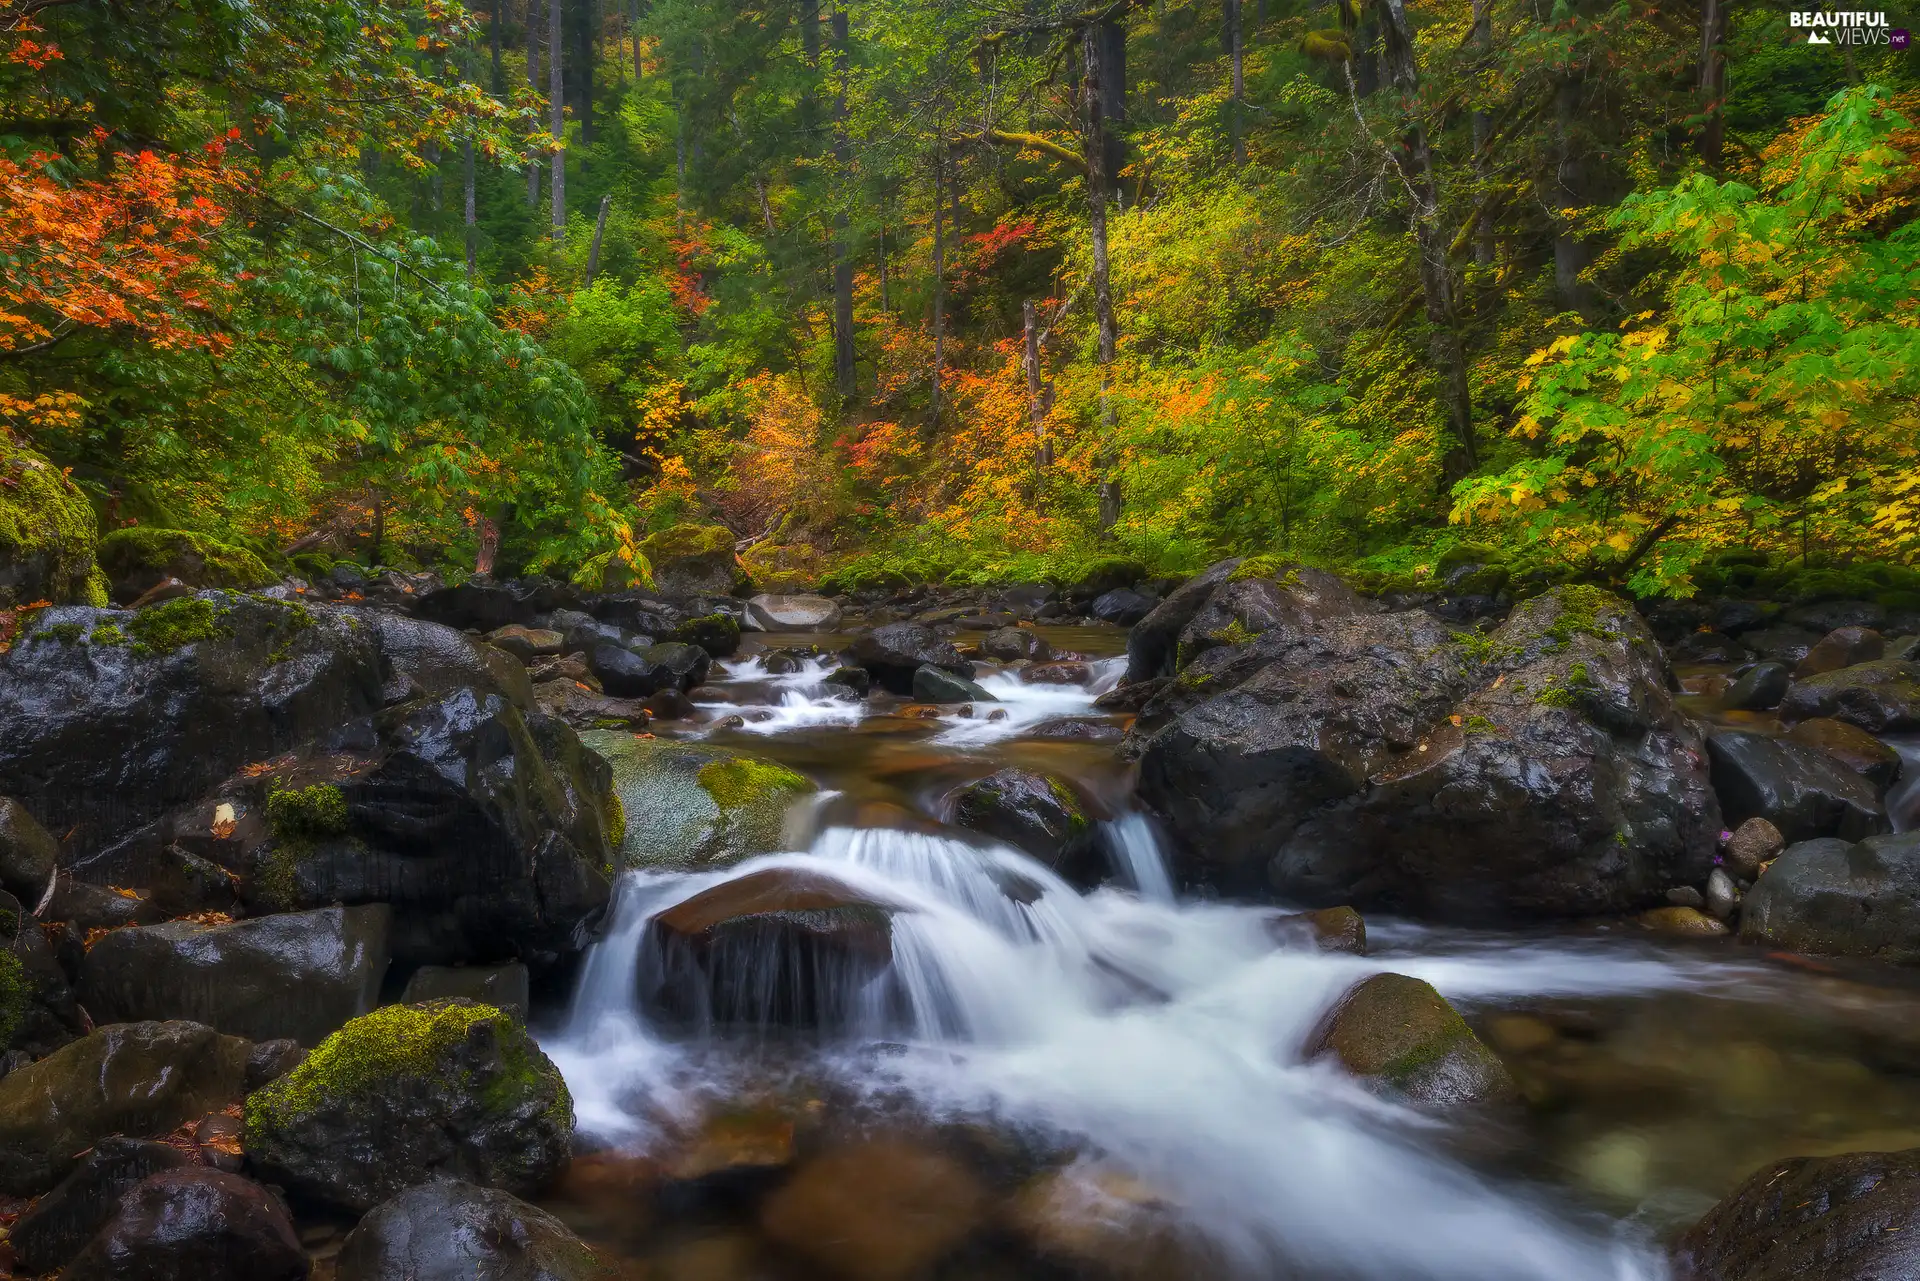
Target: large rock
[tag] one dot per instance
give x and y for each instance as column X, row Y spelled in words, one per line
column 487, row 604
column 937, row 685
column 893, row 653
column 47, row 532
column 1123, row 606
column 454, row 1231
column 527, row 643
column 1398, row 1034
column 27, row 853
column 1010, row 644
column 792, row 614
column 113, row 717
column 1881, row 697
column 300, row 975
column 65, row 1219
column 38, row 1014
column 695, row 807
column 490, row 832
column 879, row 1210
column 410, row 1093
column 579, row 706
column 627, row 673
column 505, row 986
column 1852, row 746
column 1257, row 598
column 1799, row 789
column 1841, row 647
column 127, row 1078
column 1153, row 643
column 141, row 557
column 779, row 948
column 693, row 560
column 1760, row 688
column 1038, row 813
column 420, row 657
column 1831, row 1218
column 194, row 1224
column 1832, row 897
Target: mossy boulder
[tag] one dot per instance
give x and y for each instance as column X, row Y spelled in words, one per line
column 693, row 806
column 139, row 558
column 693, row 560
column 716, row 633
column 777, row 568
column 412, row 1093
column 455, row 1231
column 1400, row 1036
column 47, row 534
column 1040, row 814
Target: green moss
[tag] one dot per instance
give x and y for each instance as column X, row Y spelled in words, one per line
column 173, row 624
column 715, row 628
column 688, row 540
column 1234, row 633
column 1193, row 680
column 742, row 780
column 107, row 633
column 179, row 553
column 1583, row 610
column 65, row 633
column 97, row 590
column 1479, row 725
column 311, row 565
column 1263, row 566
column 16, row 992
column 47, row 532
column 1077, row 821
column 306, row 813
column 1479, row 646
column 276, row 880
column 616, row 821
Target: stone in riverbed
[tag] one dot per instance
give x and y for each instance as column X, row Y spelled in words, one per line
column 1760, row 688
column 1752, row 844
column 1010, row 644
column 139, row 1078
column 1330, row 929
column 935, row 685
column 1852, row 746
column 298, row 975
column 194, row 1224
column 1800, row 790
column 893, row 653
column 1841, row 647
column 857, row 679
column 1881, row 697
column 435, row 660
column 410, row 1093
column 1829, row 896
column 1833, row 1218
column 65, row 1219
column 1123, row 606
column 627, row 673
column 27, row 853
column 526, row 643
column 1682, row 922
column 584, row 708
column 1399, row 1035
column 695, row 807
column 880, row 1210
column 505, row 986
column 770, row 613
column 1038, row 813
column 454, row 1231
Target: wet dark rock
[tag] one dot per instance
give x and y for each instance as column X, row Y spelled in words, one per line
column 1010, row 644
column 1398, row 1035
column 1799, row 789
column 1038, row 813
column 1842, row 647
column 487, row 604
column 935, row 685
column 1133, row 695
column 454, row 1231
column 1687, row 896
column 1153, row 644
column 1881, row 697
column 429, row 659
column 1293, row 600
column 1330, row 929
column 297, row 975
column 1708, row 647
column 1030, row 600
column 1753, row 843
column 1853, row 747
column 695, row 806
column 96, row 907
column 637, row 611
column 717, row 634
column 146, row 711
column 669, row 705
column 1076, row 729
column 629, row 673
column 271, row 1060
column 1737, row 617
column 194, row 1224
column 780, row 948
column 1671, row 621
column 181, row 883
column 526, row 643
column 1758, row 689
column 570, row 667
column 1781, row 644
column 1123, row 606
column 410, row 1093
column 504, row 986
column 584, row 708
column 38, row 1014
column 126, row 1078
column 1830, row 615
column 1059, row 673
column 581, row 632
column 857, row 679
column 792, row 614
column 1721, row 897
column 60, row 1223
column 1833, row 1218
column 893, row 653
column 1830, row 896
column 27, row 853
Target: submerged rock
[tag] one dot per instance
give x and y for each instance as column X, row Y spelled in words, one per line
column 1040, row 814
column 194, row 1224
column 1829, row 896
column 127, row 1078
column 935, row 685
column 1683, row 922
column 1399, row 1034
column 1811, row 1219
column 454, row 1231
column 893, row 653
column 880, row 1210
column 1330, row 929
column 409, row 1093
column 1799, row 789
column 694, row 806
column 769, row 613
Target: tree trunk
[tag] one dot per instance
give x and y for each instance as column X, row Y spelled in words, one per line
column 586, row 33
column 1568, row 190
column 886, row 308
column 493, row 34
column 1230, row 36
column 843, row 365
column 1713, row 81
column 599, row 230
column 489, row 546
column 1483, row 133
column 472, row 213
column 533, row 83
column 556, row 116
column 1096, row 93
column 939, row 281
column 1036, row 409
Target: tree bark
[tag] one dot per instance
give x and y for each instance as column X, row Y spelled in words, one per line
column 472, row 212
column 1036, row 407
column 1713, row 82
column 533, row 83
column 586, row 39
column 1096, row 93
column 939, row 281
column 556, row 115
column 843, row 363
column 1483, row 131
column 493, row 35
column 489, row 546
column 599, row 230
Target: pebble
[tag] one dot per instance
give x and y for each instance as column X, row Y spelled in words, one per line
column 1686, row 896
column 1722, row 897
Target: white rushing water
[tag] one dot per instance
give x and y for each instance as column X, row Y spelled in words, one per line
column 1169, row 1035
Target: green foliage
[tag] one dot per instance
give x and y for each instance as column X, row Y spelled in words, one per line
column 178, row 553
column 46, row 531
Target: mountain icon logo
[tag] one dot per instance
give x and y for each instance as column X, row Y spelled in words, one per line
column 1814, row 37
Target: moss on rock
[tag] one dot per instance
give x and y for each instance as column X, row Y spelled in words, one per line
column 161, row 629
column 47, row 533
column 743, row 781
column 1400, row 1034
column 692, row 806
column 304, row 813
column 143, row 556
column 688, row 540
column 16, row 993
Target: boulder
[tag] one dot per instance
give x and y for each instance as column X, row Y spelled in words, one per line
column 486, row 604
column 297, row 976
column 893, row 653
column 778, row 948
column 1841, row 647
column 693, row 560
column 1799, row 789
column 857, row 679
column 27, row 853
column 65, row 1219
column 505, row 987
column 1828, row 1218
column 410, row 1093
column 935, row 685
column 696, row 807
column 1329, row 929
column 1833, row 897
column 126, row 1078
column 716, row 632
column 454, row 1231
column 1038, row 813
column 1751, row 845
column 581, row 632
column 526, row 643
column 139, row 558
column 1679, row 921
column 1880, row 697
column 1011, row 644
column 570, row 667
column 114, row 717
column 1069, row 672
column 1076, row 729
column 1708, row 647
column 490, row 832
column 1781, row 644
column 1398, row 1035
column 194, row 1224
column 792, row 614
column 422, row 658
column 38, row 1014
column 647, row 613
column 1831, row 615
column 1153, row 646
column 1123, row 607
column 47, row 532
column 1758, row 689
column 1852, row 746
column 879, row 1210
column 1103, row 574
column 580, row 706
column 629, row 673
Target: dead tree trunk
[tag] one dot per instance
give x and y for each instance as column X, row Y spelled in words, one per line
column 533, row 83
column 939, row 282
column 557, row 116
column 1713, row 81
column 599, row 230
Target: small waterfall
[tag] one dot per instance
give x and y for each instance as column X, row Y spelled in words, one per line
column 1133, row 851
column 1903, row 801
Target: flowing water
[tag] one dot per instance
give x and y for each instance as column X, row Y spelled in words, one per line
column 1142, row 1037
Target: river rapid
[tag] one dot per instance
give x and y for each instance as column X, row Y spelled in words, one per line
column 1154, row 1046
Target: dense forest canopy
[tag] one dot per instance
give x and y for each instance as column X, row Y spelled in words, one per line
column 964, row 288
